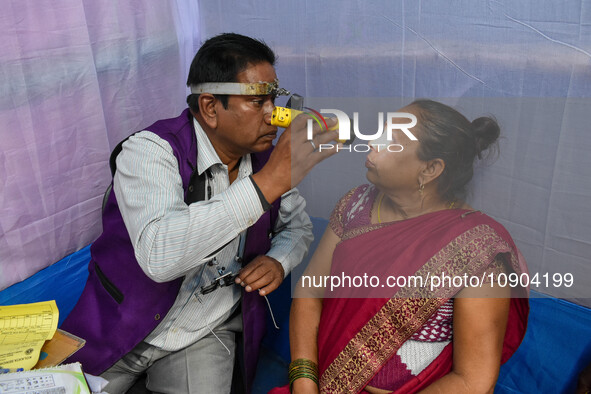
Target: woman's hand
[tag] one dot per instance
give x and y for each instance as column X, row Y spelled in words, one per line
column 584, row 383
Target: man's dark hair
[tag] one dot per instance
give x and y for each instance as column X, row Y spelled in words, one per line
column 222, row 58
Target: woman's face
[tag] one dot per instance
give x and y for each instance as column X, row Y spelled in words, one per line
column 398, row 168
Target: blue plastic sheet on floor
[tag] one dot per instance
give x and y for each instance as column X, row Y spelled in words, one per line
column 62, row 282
column 556, row 347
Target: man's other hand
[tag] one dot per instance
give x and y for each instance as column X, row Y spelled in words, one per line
column 264, row 274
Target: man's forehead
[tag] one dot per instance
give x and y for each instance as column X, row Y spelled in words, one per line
column 259, row 72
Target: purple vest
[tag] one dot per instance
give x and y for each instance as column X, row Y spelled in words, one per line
column 120, row 305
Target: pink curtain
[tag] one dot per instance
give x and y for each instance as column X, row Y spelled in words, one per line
column 75, row 78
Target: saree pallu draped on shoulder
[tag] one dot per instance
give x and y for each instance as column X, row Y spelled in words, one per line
column 362, row 327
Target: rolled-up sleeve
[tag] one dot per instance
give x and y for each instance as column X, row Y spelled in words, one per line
column 293, row 231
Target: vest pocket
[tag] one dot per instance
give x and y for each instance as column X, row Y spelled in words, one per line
column 108, row 285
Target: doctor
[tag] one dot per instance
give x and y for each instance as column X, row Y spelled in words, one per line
column 202, row 222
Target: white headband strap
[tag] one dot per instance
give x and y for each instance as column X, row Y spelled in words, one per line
column 245, row 89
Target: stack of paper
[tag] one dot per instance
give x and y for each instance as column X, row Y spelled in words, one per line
column 64, row 379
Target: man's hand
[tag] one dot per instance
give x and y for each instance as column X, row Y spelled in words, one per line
column 264, row 274
column 294, row 156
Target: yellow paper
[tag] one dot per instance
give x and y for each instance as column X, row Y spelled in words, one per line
column 23, row 331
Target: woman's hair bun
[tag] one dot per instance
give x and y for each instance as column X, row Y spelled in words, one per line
column 486, row 131
column 446, row 134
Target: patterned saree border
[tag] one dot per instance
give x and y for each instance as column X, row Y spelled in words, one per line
column 469, row 253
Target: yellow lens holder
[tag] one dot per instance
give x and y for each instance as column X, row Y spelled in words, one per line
column 282, row 116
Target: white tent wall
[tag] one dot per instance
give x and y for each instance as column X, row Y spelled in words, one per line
column 528, row 63
column 78, row 77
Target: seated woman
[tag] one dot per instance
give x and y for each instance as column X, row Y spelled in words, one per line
column 450, row 328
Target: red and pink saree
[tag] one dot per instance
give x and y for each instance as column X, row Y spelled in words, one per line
column 362, row 328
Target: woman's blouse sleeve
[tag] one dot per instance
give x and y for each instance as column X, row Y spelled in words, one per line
column 337, row 217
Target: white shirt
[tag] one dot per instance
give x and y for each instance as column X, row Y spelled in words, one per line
column 172, row 239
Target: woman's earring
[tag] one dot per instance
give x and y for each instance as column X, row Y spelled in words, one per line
column 422, row 196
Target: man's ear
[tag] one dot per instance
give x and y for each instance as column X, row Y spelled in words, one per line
column 207, row 110
column 433, row 169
